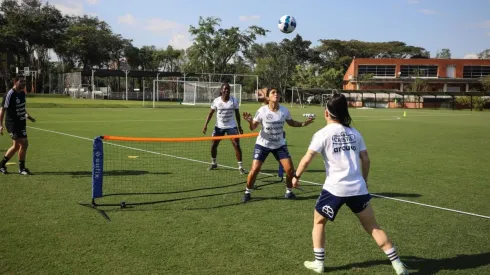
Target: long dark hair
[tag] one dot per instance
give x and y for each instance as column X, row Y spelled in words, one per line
column 338, row 109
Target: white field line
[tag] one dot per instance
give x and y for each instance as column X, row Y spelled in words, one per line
column 312, row 183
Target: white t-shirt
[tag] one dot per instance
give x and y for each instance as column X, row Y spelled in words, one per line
column 225, row 112
column 340, row 147
column 271, row 134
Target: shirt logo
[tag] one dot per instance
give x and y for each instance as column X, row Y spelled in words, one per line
column 17, row 100
column 269, row 117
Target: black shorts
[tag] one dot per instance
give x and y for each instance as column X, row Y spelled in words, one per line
column 16, row 132
column 328, row 204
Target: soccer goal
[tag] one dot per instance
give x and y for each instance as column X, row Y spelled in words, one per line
column 191, row 92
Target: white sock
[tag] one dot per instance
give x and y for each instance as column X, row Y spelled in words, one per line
column 214, row 161
column 392, row 255
column 288, row 190
column 319, row 255
column 248, row 191
column 240, row 165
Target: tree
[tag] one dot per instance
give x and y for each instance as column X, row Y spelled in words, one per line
column 485, row 82
column 485, row 54
column 444, row 54
column 89, row 42
column 418, row 84
column 214, row 47
column 28, row 30
column 339, row 53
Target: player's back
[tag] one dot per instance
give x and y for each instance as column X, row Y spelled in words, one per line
column 341, row 157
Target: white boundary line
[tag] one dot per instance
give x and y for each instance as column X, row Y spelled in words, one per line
column 313, row 183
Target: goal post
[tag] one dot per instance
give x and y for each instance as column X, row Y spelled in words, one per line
column 191, row 92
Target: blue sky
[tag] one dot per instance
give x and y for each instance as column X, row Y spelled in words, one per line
column 463, row 26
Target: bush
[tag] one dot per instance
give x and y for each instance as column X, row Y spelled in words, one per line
column 465, row 102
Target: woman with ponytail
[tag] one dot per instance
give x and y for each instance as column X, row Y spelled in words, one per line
column 347, row 167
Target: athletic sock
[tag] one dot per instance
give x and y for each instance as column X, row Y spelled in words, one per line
column 214, row 161
column 240, row 166
column 22, row 165
column 288, row 190
column 319, row 255
column 392, row 254
column 4, row 161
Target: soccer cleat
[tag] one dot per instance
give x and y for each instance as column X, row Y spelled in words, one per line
column 242, row 171
column 3, row 170
column 316, row 266
column 290, row 196
column 400, row 268
column 213, row 167
column 246, row 197
column 25, row 172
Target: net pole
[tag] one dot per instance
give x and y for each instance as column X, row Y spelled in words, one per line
column 195, row 93
column 153, row 96
column 126, row 84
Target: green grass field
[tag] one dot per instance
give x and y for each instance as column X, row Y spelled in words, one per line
column 437, row 158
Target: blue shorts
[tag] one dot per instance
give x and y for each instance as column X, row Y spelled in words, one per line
column 328, row 205
column 218, row 132
column 261, row 152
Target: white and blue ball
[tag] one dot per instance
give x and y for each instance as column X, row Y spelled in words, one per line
column 287, row 24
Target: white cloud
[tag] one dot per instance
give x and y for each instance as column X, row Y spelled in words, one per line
column 249, row 17
column 70, row 8
column 127, row 19
column 92, row 2
column 471, row 56
column 428, row 12
column 179, row 35
column 157, row 25
column 180, row 41
column 411, row 2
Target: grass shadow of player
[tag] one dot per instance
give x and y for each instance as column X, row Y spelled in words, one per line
column 132, row 206
column 395, row 195
column 112, row 173
column 427, row 266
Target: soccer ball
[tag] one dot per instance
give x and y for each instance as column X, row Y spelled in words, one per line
column 287, row 24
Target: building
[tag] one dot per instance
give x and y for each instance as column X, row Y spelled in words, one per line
column 442, row 75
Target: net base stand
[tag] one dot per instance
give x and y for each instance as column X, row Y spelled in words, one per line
column 93, row 205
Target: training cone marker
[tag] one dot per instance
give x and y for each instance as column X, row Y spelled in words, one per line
column 405, row 113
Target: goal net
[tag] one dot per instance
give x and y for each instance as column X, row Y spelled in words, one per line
column 198, row 93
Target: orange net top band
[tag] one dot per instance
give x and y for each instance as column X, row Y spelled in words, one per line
column 188, row 139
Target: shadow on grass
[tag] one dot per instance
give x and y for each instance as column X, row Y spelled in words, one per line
column 424, row 266
column 106, row 173
column 395, row 195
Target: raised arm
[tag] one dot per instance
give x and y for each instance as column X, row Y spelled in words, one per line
column 253, row 124
column 294, row 123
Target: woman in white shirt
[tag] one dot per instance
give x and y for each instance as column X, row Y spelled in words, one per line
column 271, row 140
column 347, row 167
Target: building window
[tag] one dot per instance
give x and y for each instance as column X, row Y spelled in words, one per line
column 475, row 71
column 418, row 70
column 377, row 70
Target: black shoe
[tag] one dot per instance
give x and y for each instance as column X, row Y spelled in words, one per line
column 246, row 197
column 3, row 170
column 213, row 167
column 290, row 196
